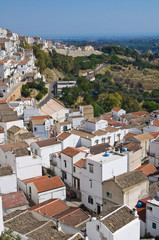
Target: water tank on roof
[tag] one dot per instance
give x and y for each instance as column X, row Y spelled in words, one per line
column 139, row 204
column 107, row 154
column 124, row 149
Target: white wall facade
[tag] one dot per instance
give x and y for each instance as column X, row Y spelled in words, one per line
column 8, row 184
column 44, row 196
column 91, row 183
column 45, row 152
column 152, row 217
column 25, row 167
column 130, row 231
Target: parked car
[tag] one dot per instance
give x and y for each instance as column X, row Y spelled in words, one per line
column 70, row 194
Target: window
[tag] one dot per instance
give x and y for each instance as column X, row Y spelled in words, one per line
column 96, row 141
column 103, row 140
column 154, row 225
column 64, row 175
column 65, row 163
column 23, row 72
column 109, row 195
column 90, row 200
column 149, row 208
column 91, row 170
column 109, row 139
column 65, row 128
column 90, row 182
column 35, row 129
column 97, row 228
column 74, row 169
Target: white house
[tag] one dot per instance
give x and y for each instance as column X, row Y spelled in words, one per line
column 8, row 180
column 20, row 159
column 43, row 189
column 45, row 148
column 154, row 152
column 152, row 216
column 152, row 127
column 7, row 124
column 69, row 156
column 117, row 113
column 68, row 140
column 121, row 224
column 94, row 124
column 98, row 168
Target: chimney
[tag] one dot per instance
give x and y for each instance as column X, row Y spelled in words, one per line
column 134, row 212
column 58, row 225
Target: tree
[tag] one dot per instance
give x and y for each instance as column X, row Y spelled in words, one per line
column 8, row 235
column 150, row 106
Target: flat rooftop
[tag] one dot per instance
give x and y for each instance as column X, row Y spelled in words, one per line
column 154, row 201
column 100, row 157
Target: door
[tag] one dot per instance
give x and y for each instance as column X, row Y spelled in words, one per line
column 98, row 209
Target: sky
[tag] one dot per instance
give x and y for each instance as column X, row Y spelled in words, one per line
column 55, row 18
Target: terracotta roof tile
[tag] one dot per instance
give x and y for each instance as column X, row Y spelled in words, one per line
column 147, row 169
column 43, row 185
column 50, row 207
column 47, row 142
column 34, row 179
column 81, row 163
column 154, row 134
column 72, row 216
column 140, row 113
column 116, row 109
column 129, row 135
column 14, row 199
column 63, row 136
column 71, row 152
column 11, row 146
column 155, row 123
column 132, row 147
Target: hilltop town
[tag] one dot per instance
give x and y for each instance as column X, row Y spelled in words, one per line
column 70, row 169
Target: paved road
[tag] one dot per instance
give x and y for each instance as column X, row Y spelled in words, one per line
column 51, row 92
column 49, row 95
column 101, row 67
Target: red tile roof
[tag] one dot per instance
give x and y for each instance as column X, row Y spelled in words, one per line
column 129, row 135
column 34, row 179
column 155, row 134
column 3, row 84
column 132, row 147
column 155, row 123
column 40, row 117
column 14, row 199
column 147, row 169
column 47, row 142
column 71, row 151
column 140, row 113
column 116, row 109
column 63, row 136
column 72, row 216
column 43, row 185
column 81, row 163
column 50, row 207
column 11, row 146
